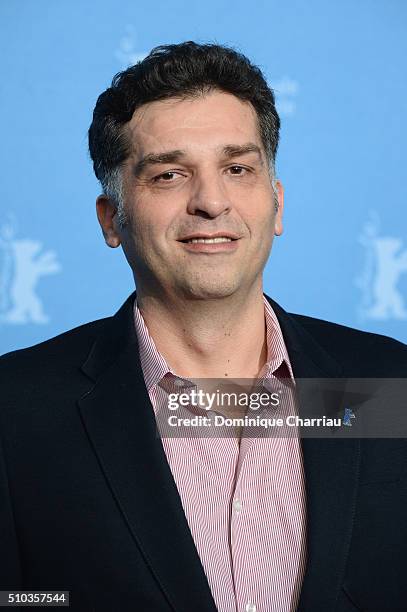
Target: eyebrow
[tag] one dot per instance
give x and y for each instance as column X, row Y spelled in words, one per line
column 231, row 151
column 169, row 157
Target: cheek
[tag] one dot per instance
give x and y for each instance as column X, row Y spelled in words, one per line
column 260, row 218
column 149, row 231
column 255, row 203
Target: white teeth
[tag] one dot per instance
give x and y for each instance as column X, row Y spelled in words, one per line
column 209, row 240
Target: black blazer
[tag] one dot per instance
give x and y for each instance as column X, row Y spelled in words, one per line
column 88, row 502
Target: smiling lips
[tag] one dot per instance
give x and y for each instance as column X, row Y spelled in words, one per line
column 215, row 243
column 208, row 240
column 206, row 236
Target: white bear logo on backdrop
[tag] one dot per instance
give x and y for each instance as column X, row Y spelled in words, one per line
column 22, row 263
column 385, row 263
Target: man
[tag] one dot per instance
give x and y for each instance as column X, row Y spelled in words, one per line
column 93, row 501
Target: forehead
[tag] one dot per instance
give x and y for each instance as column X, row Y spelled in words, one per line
column 201, row 123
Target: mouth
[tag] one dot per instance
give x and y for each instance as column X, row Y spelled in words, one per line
column 208, row 240
column 217, row 238
column 210, row 244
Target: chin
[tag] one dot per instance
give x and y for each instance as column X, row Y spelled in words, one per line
column 210, row 291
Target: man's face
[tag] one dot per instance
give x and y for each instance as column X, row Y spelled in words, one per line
column 197, row 171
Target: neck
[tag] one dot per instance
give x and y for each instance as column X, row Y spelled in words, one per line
column 208, row 338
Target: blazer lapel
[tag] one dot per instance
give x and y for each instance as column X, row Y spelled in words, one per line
column 331, row 469
column 120, row 422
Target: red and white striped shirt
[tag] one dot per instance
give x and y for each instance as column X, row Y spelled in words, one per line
column 245, row 505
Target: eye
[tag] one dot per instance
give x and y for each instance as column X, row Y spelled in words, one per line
column 166, row 177
column 238, row 170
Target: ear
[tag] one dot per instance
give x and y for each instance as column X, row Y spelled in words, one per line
column 106, row 211
column 278, row 221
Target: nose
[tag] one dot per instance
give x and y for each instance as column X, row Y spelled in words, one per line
column 209, row 197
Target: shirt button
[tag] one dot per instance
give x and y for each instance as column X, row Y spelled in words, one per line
column 250, row 607
column 237, row 506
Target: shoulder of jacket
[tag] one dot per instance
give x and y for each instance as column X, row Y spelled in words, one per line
column 67, row 346
column 351, row 345
column 321, row 326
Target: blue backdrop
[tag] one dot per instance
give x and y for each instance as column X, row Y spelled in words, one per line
column 338, row 69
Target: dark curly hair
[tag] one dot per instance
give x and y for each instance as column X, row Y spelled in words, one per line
column 183, row 70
